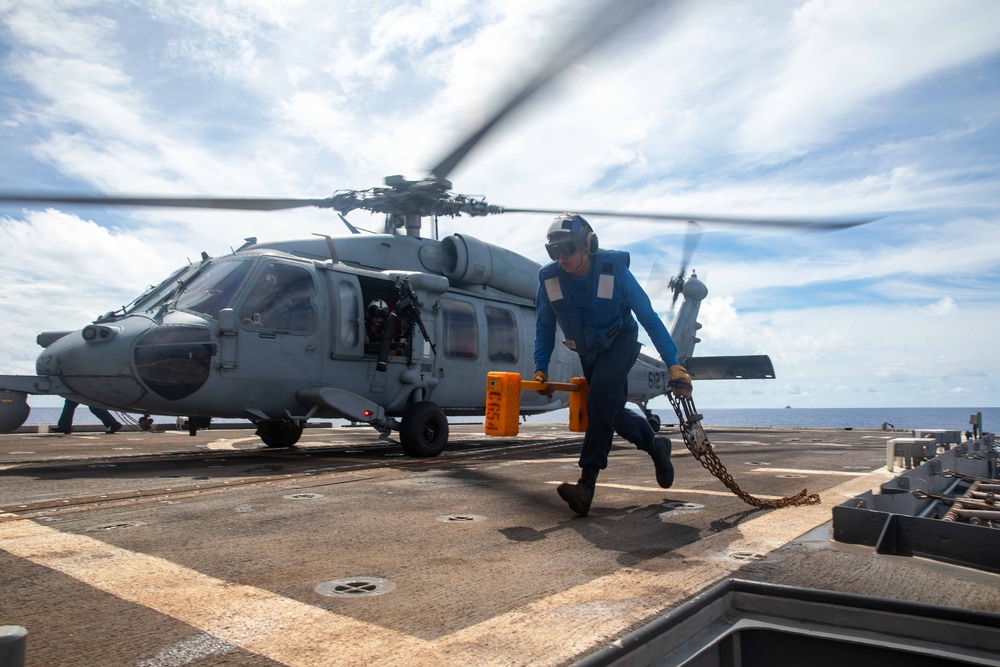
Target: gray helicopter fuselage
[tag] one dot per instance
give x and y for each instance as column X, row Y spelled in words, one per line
column 197, row 346
column 276, row 332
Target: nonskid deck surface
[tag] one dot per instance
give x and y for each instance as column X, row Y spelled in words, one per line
column 165, row 549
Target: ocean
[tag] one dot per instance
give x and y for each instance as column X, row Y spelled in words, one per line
column 956, row 419
column 900, row 418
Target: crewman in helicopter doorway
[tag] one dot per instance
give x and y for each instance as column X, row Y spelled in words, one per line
column 592, row 294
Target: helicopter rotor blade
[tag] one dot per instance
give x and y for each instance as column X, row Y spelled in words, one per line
column 816, row 224
column 231, row 203
column 603, row 24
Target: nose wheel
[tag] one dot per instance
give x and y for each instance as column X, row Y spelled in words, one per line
column 424, row 430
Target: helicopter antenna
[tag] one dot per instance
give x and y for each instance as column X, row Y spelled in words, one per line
column 354, row 230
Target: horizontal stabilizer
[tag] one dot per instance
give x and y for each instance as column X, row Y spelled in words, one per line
column 751, row 367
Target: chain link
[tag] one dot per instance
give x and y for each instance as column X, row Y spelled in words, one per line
column 697, row 442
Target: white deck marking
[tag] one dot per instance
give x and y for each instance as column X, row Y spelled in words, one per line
column 229, row 443
column 672, row 489
column 800, row 471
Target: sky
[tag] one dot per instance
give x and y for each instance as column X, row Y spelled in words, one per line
column 797, row 108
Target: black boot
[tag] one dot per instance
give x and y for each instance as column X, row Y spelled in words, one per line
column 661, row 460
column 580, row 495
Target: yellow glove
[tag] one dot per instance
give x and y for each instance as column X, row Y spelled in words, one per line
column 680, row 381
column 542, row 376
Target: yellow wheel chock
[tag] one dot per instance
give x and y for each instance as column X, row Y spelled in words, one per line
column 503, row 402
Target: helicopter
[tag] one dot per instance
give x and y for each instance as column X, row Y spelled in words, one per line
column 275, row 331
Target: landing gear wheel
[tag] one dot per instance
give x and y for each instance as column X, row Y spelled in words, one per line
column 654, row 421
column 424, row 431
column 278, row 433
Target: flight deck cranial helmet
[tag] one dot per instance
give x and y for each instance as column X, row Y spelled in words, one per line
column 567, row 234
column 378, row 308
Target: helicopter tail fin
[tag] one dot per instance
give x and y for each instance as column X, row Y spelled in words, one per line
column 749, row 367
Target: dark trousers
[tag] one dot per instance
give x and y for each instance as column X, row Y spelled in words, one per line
column 607, row 377
column 66, row 418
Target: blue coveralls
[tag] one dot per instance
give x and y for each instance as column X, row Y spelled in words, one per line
column 595, row 313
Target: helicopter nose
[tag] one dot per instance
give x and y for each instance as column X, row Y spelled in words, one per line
column 95, row 361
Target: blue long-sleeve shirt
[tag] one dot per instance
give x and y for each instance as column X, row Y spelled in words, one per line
column 635, row 299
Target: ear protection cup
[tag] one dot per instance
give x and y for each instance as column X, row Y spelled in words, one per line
column 592, row 242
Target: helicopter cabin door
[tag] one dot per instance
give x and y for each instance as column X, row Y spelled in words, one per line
column 277, row 324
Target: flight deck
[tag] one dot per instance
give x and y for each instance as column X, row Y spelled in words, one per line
column 162, row 549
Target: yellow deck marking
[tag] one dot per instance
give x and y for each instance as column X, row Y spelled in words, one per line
column 563, row 626
column 279, row 628
column 550, row 630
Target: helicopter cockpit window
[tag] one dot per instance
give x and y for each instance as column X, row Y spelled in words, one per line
column 154, row 297
column 460, row 335
column 213, row 288
column 501, row 335
column 280, row 298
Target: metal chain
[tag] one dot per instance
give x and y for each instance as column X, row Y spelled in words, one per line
column 697, row 443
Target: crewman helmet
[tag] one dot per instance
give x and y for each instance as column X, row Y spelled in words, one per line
column 378, row 308
column 567, row 234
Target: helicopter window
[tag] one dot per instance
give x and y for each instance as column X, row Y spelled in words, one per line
column 460, row 335
column 211, row 290
column 501, row 335
column 281, row 298
column 153, row 297
column 347, row 294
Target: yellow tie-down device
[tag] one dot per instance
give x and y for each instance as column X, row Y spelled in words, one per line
column 503, row 401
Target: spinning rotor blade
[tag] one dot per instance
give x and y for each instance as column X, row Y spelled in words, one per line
column 600, row 27
column 690, row 243
column 817, row 224
column 234, row 203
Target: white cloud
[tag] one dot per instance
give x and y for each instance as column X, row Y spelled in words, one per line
column 62, row 271
column 842, row 54
column 944, row 308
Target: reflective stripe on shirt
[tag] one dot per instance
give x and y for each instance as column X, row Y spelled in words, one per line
column 553, row 289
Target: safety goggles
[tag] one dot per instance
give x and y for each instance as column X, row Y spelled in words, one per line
column 567, row 248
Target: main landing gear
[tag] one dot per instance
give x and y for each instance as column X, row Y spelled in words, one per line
column 424, row 431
